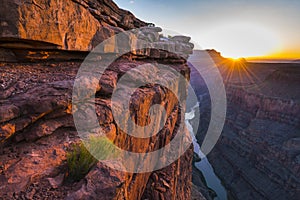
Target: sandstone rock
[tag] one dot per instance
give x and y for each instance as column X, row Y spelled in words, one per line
column 152, row 37
column 63, row 28
column 102, row 182
column 151, row 29
column 28, row 162
column 168, row 46
column 46, row 130
column 8, row 112
column 181, row 38
column 38, row 130
column 161, row 182
column 46, row 25
column 56, row 181
column 7, row 55
column 108, row 82
column 183, row 48
column 48, row 127
column 75, row 28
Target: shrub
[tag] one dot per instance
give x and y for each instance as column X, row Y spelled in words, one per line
column 80, row 158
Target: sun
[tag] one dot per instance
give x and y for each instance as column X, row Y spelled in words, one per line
column 236, row 40
column 235, row 59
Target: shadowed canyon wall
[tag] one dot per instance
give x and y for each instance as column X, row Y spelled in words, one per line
column 259, row 148
column 257, row 156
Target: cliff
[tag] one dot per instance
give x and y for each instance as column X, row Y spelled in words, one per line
column 43, row 45
column 257, row 156
column 37, row 129
column 259, row 148
column 69, row 25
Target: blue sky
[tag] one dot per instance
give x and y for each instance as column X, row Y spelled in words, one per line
column 236, row 28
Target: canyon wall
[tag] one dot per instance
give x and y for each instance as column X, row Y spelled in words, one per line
column 43, row 44
column 259, row 147
column 257, row 155
column 37, row 129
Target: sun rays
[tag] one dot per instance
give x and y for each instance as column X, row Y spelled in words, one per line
column 236, row 71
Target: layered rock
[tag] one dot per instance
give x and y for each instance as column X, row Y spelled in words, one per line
column 69, row 25
column 258, row 147
column 257, row 154
column 42, row 29
column 37, row 129
column 36, row 116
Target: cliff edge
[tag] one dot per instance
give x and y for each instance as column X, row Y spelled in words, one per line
column 42, row 45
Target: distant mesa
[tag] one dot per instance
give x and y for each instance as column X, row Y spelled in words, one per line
column 215, row 56
column 296, row 61
column 214, row 53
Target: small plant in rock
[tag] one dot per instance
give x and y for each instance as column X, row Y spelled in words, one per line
column 80, row 161
column 83, row 156
column 102, row 148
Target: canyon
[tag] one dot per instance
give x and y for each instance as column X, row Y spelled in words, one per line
column 257, row 156
column 43, row 44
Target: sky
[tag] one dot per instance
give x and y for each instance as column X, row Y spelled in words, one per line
column 236, row 28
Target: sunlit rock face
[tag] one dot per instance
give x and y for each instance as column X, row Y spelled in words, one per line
column 71, row 25
column 37, row 129
column 41, row 30
column 42, row 45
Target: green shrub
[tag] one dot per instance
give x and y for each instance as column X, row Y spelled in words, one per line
column 83, row 156
column 80, row 161
column 102, row 148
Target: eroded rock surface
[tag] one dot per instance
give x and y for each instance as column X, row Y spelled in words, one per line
column 257, row 156
column 40, row 29
column 42, row 45
column 69, row 25
column 258, row 149
column 37, row 129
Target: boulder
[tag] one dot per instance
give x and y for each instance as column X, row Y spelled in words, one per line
column 81, row 26
column 181, row 38
column 150, row 29
column 153, row 37
column 7, row 55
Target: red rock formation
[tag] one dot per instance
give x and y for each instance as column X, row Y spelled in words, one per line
column 36, row 119
column 37, row 128
column 69, row 25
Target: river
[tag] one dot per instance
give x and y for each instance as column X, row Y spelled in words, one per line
column 204, row 166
